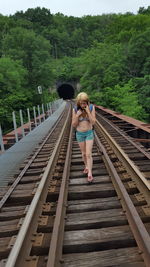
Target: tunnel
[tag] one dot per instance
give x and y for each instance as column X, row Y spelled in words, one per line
column 65, row 91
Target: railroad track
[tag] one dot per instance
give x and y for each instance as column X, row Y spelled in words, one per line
column 134, row 156
column 139, row 131
column 18, row 197
column 70, row 223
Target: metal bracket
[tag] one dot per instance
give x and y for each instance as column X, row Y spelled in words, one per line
column 34, row 190
column 20, row 222
column 37, row 239
column 53, row 182
column 132, row 184
column 146, row 210
column 51, row 189
column 125, row 176
column 12, row 241
column 47, row 207
column 32, row 261
column 3, row 263
column 43, row 220
column 140, row 197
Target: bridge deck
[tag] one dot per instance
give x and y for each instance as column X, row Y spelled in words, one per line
column 14, row 156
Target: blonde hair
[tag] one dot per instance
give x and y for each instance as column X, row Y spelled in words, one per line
column 82, row 97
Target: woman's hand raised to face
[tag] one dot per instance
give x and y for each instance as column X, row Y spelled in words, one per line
column 79, row 112
column 87, row 109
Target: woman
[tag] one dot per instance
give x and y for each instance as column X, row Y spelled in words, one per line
column 83, row 119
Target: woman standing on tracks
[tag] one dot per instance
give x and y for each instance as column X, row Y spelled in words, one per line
column 83, row 119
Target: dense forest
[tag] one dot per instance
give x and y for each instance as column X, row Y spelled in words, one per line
column 108, row 54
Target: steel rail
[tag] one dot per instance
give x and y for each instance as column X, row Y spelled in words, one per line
column 124, row 136
column 56, row 244
column 21, row 248
column 140, row 233
column 19, row 177
column 141, row 182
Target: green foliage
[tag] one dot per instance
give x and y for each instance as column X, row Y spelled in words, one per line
column 12, row 75
column 12, row 84
column 103, row 66
column 138, row 54
column 142, row 87
column 143, row 10
column 109, row 55
column 67, row 69
column 33, row 50
column 39, row 17
column 126, row 101
column 120, row 98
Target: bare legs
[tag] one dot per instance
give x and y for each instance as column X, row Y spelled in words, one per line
column 89, row 145
column 86, row 150
column 82, row 146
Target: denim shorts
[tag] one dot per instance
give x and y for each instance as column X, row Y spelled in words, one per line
column 84, row 136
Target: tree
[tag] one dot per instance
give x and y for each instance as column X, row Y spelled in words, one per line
column 12, row 88
column 138, row 54
column 38, row 16
column 33, row 51
column 103, row 66
column 142, row 88
column 143, row 10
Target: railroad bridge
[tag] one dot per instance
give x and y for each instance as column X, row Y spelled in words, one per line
column 51, row 216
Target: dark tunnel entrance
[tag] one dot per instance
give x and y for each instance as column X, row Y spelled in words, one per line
column 65, row 91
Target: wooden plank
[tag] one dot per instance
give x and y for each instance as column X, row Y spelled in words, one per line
column 124, row 257
column 12, row 213
column 35, row 165
column 79, row 161
column 98, row 239
column 4, row 247
column 27, row 179
column 92, row 201
column 24, row 187
column 91, row 191
column 131, row 150
column 96, row 172
column 142, row 162
column 81, row 168
column 74, row 156
column 144, row 168
column 93, row 204
column 91, row 187
column 142, row 140
column 77, row 151
column 37, row 160
column 136, row 156
column 77, row 148
column 31, row 172
column 97, row 180
column 9, row 228
column 30, row 179
column 25, row 196
column 95, row 219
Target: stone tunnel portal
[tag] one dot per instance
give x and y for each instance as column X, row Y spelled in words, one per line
column 65, row 91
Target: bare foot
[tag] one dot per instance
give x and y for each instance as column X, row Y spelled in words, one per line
column 85, row 170
column 90, row 178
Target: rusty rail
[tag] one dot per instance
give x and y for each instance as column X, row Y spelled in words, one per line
column 19, row 177
column 140, row 233
column 21, row 246
column 55, row 252
column 138, row 177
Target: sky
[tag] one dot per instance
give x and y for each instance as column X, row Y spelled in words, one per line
column 76, row 8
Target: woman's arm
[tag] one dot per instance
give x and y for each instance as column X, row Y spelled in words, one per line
column 75, row 117
column 91, row 114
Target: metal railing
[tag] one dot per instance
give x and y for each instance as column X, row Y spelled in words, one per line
column 34, row 116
